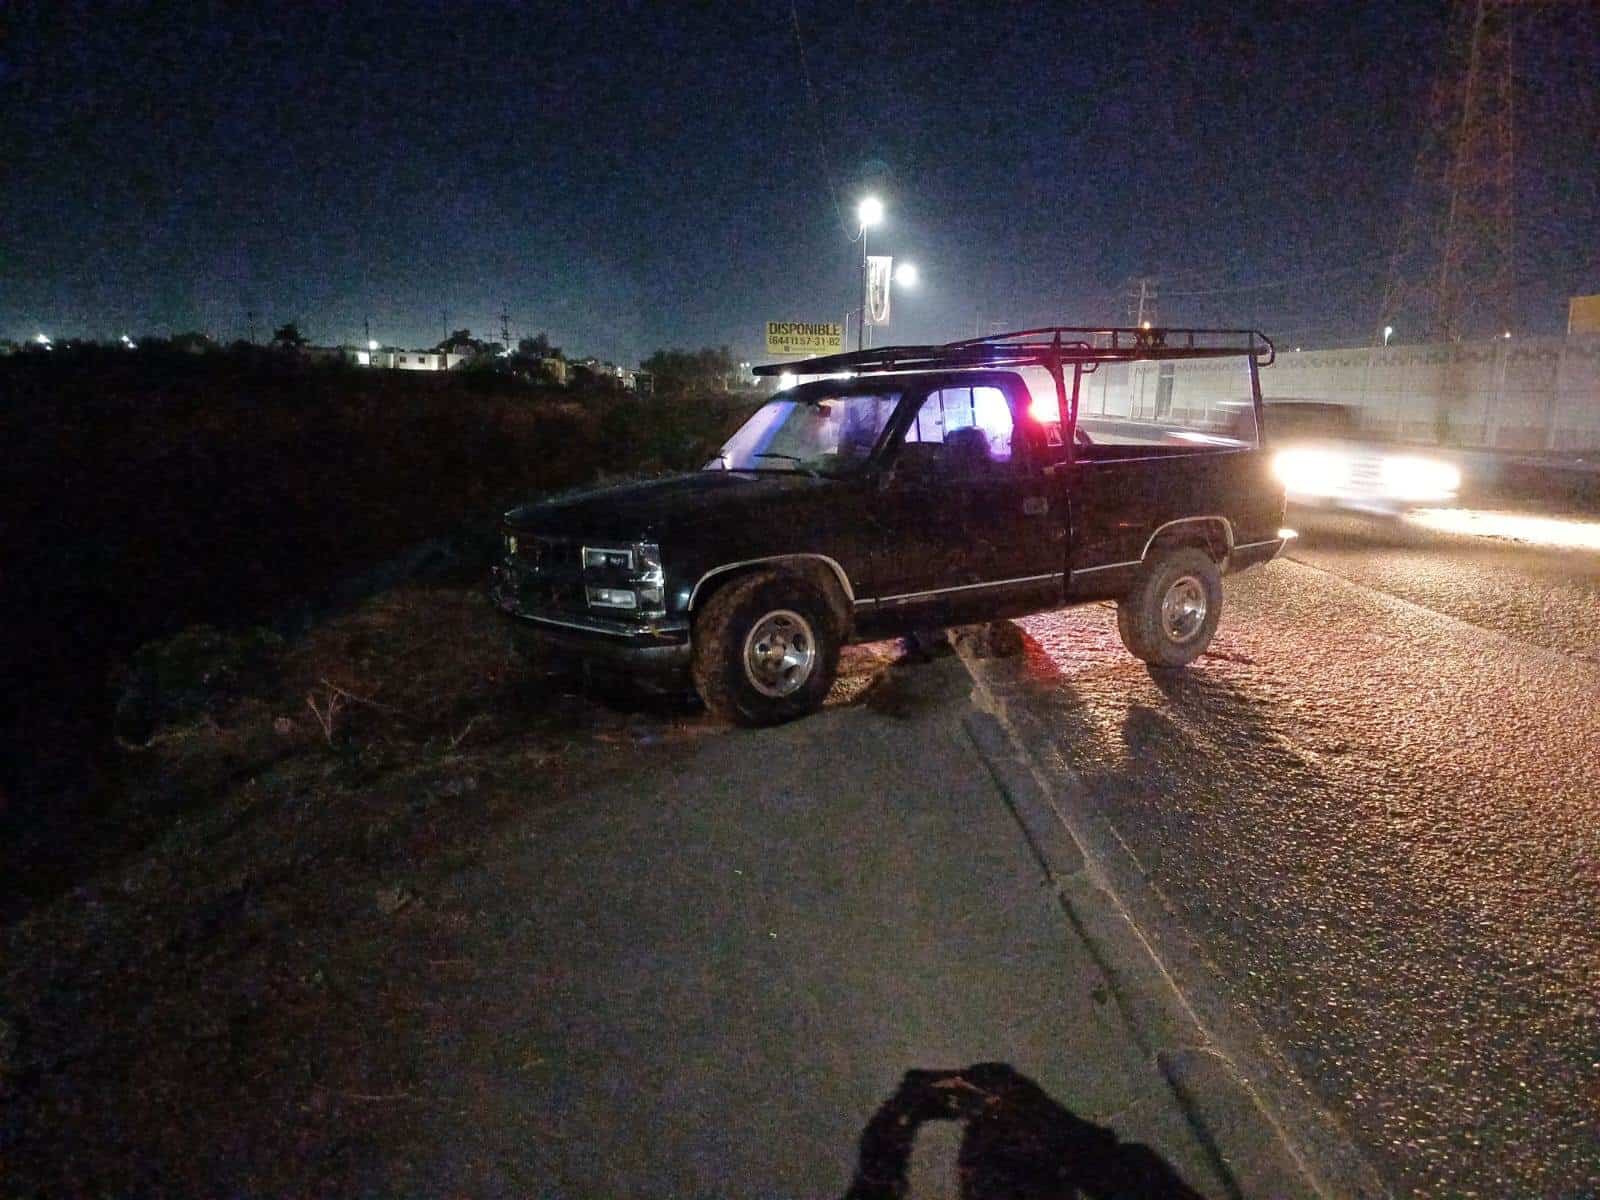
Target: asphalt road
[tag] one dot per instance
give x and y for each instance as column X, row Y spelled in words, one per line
column 1376, row 808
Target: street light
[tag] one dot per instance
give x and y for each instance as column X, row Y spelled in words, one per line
column 1388, row 332
column 906, row 275
column 869, row 215
column 372, row 343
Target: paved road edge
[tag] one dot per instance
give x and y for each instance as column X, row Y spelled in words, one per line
column 1252, row 1143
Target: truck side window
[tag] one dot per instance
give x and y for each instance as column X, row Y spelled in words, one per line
column 962, row 431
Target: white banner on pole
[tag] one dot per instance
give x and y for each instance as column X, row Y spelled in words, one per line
column 878, row 276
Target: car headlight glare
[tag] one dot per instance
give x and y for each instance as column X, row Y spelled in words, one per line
column 1407, row 477
column 1310, row 472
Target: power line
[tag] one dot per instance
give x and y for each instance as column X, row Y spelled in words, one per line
column 1326, row 249
column 816, row 116
column 1287, row 280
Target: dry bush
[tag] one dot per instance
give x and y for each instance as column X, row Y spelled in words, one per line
column 417, row 666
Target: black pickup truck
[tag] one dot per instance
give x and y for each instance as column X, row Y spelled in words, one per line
column 916, row 487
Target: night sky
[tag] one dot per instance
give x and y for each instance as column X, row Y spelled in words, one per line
column 633, row 176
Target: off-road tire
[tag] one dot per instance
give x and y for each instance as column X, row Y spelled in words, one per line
column 1147, row 632
column 721, row 633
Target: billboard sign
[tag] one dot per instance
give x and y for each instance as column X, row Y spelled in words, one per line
column 804, row 337
column 879, row 272
column 1583, row 315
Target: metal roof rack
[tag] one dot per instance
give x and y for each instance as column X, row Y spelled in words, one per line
column 1048, row 346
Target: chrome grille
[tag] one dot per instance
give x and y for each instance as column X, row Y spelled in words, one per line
column 547, row 573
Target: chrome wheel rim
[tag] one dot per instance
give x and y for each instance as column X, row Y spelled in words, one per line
column 1183, row 609
column 779, row 653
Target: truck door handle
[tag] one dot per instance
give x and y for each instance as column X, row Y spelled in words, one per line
column 1035, row 506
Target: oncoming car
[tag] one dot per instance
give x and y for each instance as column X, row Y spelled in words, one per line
column 916, row 487
column 1321, row 461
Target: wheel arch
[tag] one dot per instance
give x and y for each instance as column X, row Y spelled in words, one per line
column 1212, row 533
column 819, row 569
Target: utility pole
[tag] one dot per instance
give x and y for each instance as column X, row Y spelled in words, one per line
column 444, row 325
column 1142, row 297
column 250, row 323
column 861, row 325
column 1453, row 271
column 366, row 324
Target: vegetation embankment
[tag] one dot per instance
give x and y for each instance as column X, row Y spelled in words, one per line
column 252, row 1002
column 154, row 492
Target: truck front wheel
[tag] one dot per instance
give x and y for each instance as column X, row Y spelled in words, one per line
column 1170, row 616
column 766, row 649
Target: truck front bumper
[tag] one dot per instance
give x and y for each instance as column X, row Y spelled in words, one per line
column 653, row 652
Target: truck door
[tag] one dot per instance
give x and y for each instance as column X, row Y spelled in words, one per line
column 968, row 526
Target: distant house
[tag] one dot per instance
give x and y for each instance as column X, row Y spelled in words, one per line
column 193, row 343
column 596, row 369
column 405, row 360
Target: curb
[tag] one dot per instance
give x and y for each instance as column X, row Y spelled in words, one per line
column 1250, row 1150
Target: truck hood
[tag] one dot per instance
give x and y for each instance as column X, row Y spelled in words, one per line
column 654, row 509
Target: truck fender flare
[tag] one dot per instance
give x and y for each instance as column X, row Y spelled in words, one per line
column 1227, row 529
column 838, row 572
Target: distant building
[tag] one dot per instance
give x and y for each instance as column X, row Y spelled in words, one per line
column 405, row 360
column 193, row 343
column 555, row 368
column 596, row 369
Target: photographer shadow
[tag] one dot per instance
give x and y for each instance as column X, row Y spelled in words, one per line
column 1017, row 1144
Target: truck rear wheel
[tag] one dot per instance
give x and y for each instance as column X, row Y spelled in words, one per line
column 766, row 649
column 1170, row 616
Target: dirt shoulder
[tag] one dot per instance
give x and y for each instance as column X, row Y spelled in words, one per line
column 199, row 1016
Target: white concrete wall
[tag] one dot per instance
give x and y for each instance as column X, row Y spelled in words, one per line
column 1516, row 394
column 1205, row 392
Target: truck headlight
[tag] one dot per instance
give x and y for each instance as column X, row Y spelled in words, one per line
column 600, row 597
column 625, row 577
column 605, row 558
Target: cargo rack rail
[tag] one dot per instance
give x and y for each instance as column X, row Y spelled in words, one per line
column 1050, row 346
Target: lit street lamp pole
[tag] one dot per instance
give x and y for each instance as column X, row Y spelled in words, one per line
column 868, row 213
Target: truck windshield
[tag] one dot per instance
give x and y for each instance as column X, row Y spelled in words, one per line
column 829, row 434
